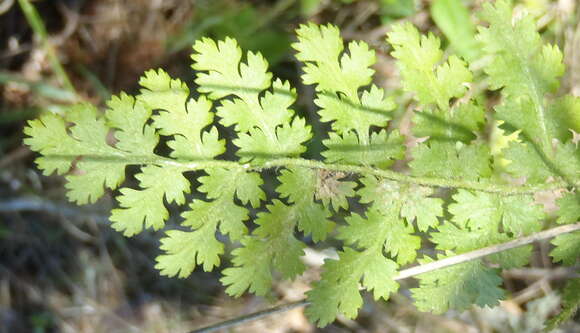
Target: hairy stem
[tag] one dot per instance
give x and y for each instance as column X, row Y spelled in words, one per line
column 482, row 186
column 502, row 189
column 410, row 272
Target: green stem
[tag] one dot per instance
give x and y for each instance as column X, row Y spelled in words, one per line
column 38, row 27
column 502, row 189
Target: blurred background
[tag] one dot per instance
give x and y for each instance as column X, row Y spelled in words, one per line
column 63, row 269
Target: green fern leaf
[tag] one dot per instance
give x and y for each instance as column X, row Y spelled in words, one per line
column 517, row 44
column 320, row 47
column 224, row 74
column 129, row 119
column 458, row 287
column 275, row 239
column 185, row 250
column 564, row 117
column 434, row 85
column 381, row 151
column 382, row 228
column 460, row 123
column 252, row 269
column 415, row 202
column 482, row 219
column 338, row 290
column 271, row 246
column 419, row 59
column 569, row 211
column 463, row 239
column 262, row 123
column 451, row 160
column 88, row 139
column 516, row 214
column 525, row 160
column 332, row 190
column 181, row 117
column 145, row 206
column 567, row 248
column 300, row 186
column 338, row 78
column 220, row 183
column 345, row 117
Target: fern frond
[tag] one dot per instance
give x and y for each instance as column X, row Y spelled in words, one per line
column 458, row 287
column 526, row 106
column 454, row 191
column 263, row 124
column 339, row 78
column 419, row 62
